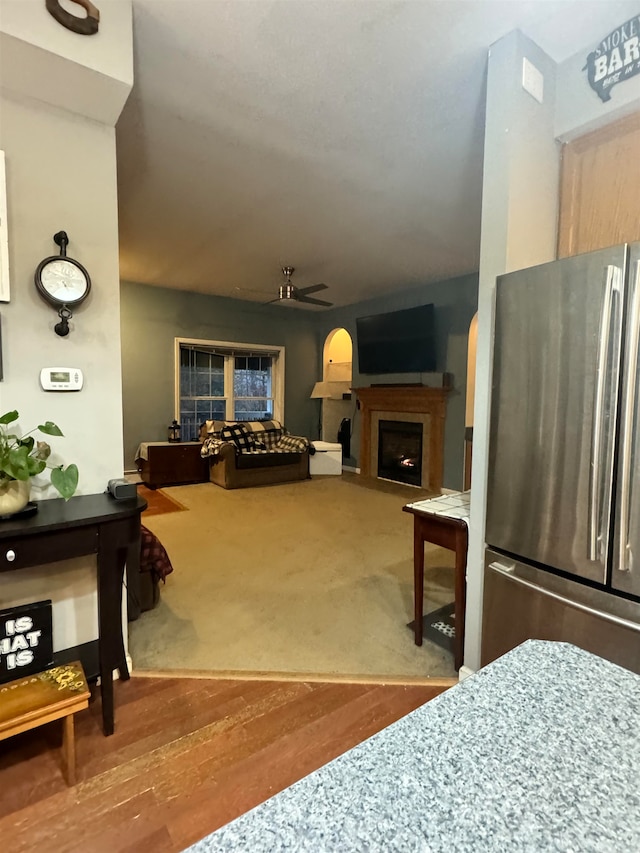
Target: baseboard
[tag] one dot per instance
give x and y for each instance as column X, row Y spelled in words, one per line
column 89, row 655
column 350, row 469
column 465, row 672
column 322, row 677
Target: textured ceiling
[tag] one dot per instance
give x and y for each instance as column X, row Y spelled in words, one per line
column 343, row 138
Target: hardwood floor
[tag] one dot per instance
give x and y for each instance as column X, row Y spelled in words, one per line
column 158, row 503
column 188, row 755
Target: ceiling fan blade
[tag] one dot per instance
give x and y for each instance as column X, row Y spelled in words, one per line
column 313, row 301
column 251, row 290
column 312, row 289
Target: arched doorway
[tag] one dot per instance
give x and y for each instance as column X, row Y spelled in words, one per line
column 337, row 371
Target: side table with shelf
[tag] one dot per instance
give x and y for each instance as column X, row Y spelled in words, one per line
column 171, row 463
column 85, row 524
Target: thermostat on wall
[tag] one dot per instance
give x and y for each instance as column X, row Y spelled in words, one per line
column 61, row 378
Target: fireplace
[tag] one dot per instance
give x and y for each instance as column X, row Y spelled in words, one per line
column 417, row 405
column 400, row 451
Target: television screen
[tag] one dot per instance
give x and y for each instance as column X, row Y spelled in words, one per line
column 397, row 342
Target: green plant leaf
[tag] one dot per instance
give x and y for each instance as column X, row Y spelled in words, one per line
column 16, row 464
column 35, row 465
column 23, row 457
column 65, row 480
column 49, row 428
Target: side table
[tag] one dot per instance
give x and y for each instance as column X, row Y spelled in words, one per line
column 171, row 463
column 434, row 522
column 85, row 524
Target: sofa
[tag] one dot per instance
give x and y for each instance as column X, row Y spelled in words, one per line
column 253, row 453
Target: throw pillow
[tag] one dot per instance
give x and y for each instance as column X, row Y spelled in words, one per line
column 239, row 435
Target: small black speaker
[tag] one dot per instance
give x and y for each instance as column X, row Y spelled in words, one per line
column 122, row 490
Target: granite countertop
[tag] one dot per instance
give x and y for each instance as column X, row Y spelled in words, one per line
column 538, row 751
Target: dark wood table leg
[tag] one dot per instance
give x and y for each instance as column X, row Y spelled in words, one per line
column 418, row 579
column 111, row 561
column 460, row 595
column 129, row 552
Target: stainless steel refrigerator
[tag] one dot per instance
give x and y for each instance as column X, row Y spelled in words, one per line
column 563, row 500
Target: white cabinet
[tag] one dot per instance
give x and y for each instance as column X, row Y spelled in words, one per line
column 327, row 459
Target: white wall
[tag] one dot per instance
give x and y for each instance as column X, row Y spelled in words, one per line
column 89, row 75
column 519, row 216
column 51, row 185
column 61, row 175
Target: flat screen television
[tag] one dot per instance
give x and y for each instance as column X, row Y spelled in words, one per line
column 397, row 342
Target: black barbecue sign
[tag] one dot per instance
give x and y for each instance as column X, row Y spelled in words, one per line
column 617, row 58
column 26, row 640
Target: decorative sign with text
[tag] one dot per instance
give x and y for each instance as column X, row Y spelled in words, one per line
column 617, row 58
column 26, row 640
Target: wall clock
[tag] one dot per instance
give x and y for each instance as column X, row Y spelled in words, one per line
column 62, row 282
column 86, row 26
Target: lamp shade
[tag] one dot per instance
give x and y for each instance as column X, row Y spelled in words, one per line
column 331, row 390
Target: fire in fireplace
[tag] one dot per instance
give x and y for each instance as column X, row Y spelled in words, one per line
column 400, row 451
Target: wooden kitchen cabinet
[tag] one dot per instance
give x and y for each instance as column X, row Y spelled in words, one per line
column 171, row 464
column 599, row 189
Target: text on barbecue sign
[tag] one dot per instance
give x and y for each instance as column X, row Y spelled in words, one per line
column 26, row 640
column 617, row 58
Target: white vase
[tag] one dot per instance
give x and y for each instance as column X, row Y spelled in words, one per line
column 14, row 496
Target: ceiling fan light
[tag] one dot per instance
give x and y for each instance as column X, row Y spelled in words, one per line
column 287, row 291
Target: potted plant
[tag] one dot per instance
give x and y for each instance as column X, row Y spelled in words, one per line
column 22, row 458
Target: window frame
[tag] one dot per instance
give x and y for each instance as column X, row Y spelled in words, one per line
column 278, row 370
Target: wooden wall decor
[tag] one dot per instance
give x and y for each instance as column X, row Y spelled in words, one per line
column 83, row 26
column 599, row 188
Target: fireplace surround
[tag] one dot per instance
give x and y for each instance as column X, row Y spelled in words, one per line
column 408, row 403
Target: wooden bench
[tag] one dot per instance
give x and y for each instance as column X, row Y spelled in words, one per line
column 34, row 700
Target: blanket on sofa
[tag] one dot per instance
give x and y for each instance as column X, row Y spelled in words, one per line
column 252, row 437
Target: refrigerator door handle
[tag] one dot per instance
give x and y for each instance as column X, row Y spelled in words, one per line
column 628, row 414
column 599, row 451
column 509, row 572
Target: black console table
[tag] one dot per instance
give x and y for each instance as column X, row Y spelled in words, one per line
column 88, row 524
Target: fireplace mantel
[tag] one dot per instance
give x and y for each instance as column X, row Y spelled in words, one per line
column 429, row 404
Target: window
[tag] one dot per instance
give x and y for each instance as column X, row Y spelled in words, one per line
column 252, row 387
column 223, row 381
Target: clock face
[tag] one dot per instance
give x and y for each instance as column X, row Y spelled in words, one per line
column 63, row 281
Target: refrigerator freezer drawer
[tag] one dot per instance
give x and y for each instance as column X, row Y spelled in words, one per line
column 522, row 603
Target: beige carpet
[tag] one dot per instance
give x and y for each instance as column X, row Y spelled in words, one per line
column 307, row 577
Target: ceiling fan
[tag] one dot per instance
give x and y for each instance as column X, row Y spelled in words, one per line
column 289, row 293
